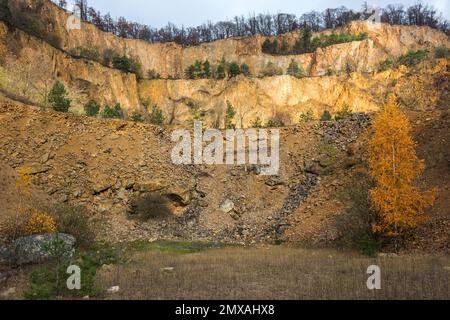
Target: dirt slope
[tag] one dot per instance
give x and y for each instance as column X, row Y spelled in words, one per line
column 105, row 164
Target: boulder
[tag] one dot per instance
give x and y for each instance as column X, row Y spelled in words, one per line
column 182, row 195
column 227, row 206
column 150, row 186
column 31, row 249
column 38, row 168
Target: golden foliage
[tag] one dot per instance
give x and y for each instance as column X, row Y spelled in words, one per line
column 23, row 181
column 26, row 220
column 394, row 165
column 40, row 223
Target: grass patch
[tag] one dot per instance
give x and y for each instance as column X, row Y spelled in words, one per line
column 43, row 284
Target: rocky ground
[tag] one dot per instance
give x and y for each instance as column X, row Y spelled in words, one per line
column 111, row 167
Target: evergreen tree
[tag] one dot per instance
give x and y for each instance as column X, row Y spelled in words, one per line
column 122, row 63
column 156, row 116
column 306, row 39
column 91, row 108
column 206, row 69
column 267, row 46
column 284, row 47
column 58, row 98
column 190, row 72
column 294, row 70
column 235, row 70
column 326, row 116
column 137, row 116
column 245, row 70
column 230, row 114
column 198, row 70
column 113, row 113
column 221, row 72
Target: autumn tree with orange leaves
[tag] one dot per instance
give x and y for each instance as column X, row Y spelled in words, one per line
column 398, row 204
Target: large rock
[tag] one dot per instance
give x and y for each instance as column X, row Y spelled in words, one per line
column 32, row 249
column 227, row 206
column 151, row 186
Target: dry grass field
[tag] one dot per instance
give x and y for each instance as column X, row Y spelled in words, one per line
column 274, row 273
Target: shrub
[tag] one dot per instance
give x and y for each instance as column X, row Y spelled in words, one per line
column 197, row 114
column 257, row 123
column 113, row 113
column 40, row 223
column 385, row 65
column 136, row 68
column 442, row 52
column 136, row 116
column 126, row 64
column 345, row 113
column 5, row 13
column 235, row 70
column 108, row 56
column 275, row 123
column 156, row 116
column 334, row 38
column 153, row 75
column 221, row 70
column 150, row 206
column 307, row 116
column 86, row 53
column 26, row 222
column 91, row 108
column 326, row 116
column 199, row 70
column 412, row 57
column 245, row 70
column 122, row 63
column 190, row 72
column 57, row 98
column 270, row 47
column 206, row 69
column 230, row 113
column 354, row 224
column 271, row 70
column 294, row 70
column 369, row 245
column 284, row 49
column 74, row 220
column 41, row 285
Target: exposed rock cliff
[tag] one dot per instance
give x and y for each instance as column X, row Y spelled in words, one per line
column 85, row 79
column 286, row 98
column 171, row 59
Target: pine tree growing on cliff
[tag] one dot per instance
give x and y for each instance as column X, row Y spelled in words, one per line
column 393, row 164
column 206, row 69
column 91, row 108
column 58, row 98
column 230, row 114
column 294, row 70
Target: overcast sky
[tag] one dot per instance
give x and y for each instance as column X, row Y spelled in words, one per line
column 194, row 12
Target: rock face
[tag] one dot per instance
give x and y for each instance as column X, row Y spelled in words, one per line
column 32, row 249
column 285, row 98
column 76, row 57
column 84, row 79
column 171, row 59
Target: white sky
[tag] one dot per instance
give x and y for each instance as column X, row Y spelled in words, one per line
column 157, row 13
